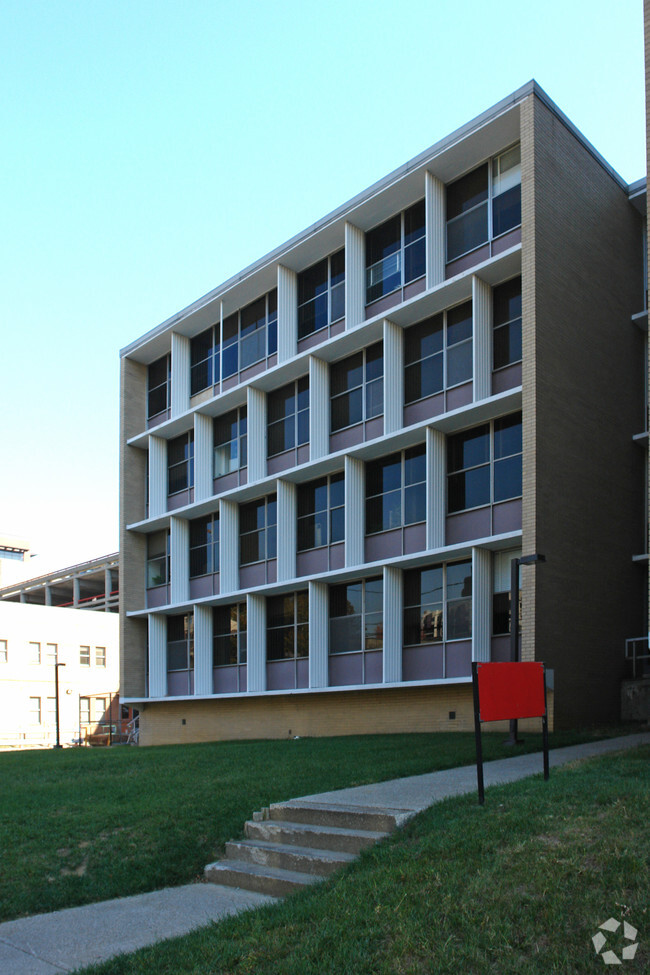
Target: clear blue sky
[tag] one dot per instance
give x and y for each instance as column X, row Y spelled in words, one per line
column 152, row 148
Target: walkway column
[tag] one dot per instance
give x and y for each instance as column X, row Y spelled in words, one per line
column 287, row 494
column 256, row 643
column 228, row 546
column 354, row 511
column 256, row 410
column 318, row 634
column 355, row 276
column 180, row 374
column 157, row 655
column 179, row 557
column 319, row 408
column 203, row 683
column 393, row 601
column 157, row 476
column 203, row 452
column 434, row 197
column 481, row 603
column 393, row 377
column 436, row 487
column 287, row 313
column 482, row 341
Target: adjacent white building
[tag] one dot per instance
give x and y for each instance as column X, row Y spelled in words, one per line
column 84, row 645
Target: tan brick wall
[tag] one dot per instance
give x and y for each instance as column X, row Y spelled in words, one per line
column 132, row 546
column 646, row 25
column 315, row 715
column 588, row 378
column 529, row 364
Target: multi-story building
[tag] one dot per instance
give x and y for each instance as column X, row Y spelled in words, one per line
column 88, row 585
column 41, row 646
column 329, row 462
column 43, row 638
column 15, row 554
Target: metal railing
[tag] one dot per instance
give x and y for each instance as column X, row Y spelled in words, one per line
column 636, row 648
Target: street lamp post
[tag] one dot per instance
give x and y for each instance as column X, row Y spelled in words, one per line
column 56, row 701
column 514, row 622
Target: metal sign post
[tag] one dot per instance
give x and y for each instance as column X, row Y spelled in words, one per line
column 508, row 691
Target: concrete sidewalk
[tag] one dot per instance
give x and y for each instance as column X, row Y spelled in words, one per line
column 65, row 940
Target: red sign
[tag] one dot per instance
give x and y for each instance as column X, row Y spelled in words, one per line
column 511, row 690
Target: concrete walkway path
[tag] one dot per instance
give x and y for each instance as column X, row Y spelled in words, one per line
column 63, row 941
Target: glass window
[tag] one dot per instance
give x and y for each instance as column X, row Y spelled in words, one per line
column 204, row 359
column 321, row 294
column 230, row 442
column 438, row 603
column 468, row 466
column 357, row 388
column 396, row 490
column 502, row 581
column 395, row 252
column 471, row 220
column 4, row 653
column 438, row 353
column 459, row 600
column 51, row 652
column 158, row 379
column 288, row 417
column 507, row 457
column 158, row 559
column 100, row 706
column 467, row 213
column 506, row 191
column 356, row 616
column 229, row 635
column 321, row 512
column 506, row 304
column 84, row 710
column 204, row 545
column 34, row 652
column 180, row 463
column 414, row 242
column 484, row 464
column 423, row 605
column 84, row 656
column 257, row 530
column 180, row 642
column 458, row 344
column 100, row 656
column 250, row 334
column 287, row 626
column 34, row 710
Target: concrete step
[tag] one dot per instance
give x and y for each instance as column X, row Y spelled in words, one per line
column 253, row 876
column 318, row 837
column 299, row 858
column 346, row 817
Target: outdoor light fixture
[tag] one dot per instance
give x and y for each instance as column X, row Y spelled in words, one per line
column 56, row 701
column 514, row 620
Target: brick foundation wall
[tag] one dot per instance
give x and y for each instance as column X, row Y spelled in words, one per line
column 385, row 711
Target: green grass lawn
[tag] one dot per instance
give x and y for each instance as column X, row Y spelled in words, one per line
column 517, row 887
column 84, row 825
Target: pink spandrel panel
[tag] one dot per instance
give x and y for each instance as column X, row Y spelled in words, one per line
column 344, row 669
column 280, row 675
column 423, row 662
column 224, row 680
column 458, row 659
column 373, row 667
column 466, row 525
